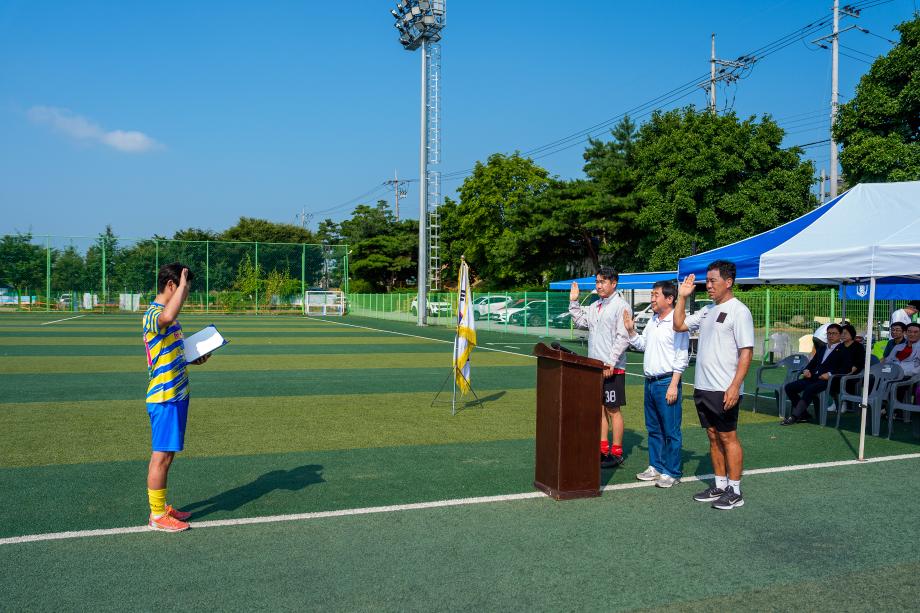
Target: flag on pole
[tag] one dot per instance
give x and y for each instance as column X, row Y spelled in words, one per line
column 466, row 330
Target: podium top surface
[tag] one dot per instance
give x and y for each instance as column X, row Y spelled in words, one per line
column 541, row 350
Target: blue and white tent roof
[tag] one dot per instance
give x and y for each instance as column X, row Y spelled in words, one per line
column 872, row 230
column 628, row 280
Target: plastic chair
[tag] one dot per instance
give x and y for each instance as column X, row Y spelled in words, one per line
column 881, row 377
column 908, row 406
column 794, row 364
column 825, row 397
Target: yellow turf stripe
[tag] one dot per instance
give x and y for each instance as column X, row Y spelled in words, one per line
column 247, row 340
column 225, row 362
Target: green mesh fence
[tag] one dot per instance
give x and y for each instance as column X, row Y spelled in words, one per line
column 112, row 274
column 781, row 317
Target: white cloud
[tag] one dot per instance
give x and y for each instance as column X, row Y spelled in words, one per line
column 81, row 128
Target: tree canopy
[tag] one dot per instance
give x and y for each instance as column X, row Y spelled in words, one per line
column 880, row 127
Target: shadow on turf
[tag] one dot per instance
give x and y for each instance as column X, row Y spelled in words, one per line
column 466, row 404
column 231, row 500
column 631, row 444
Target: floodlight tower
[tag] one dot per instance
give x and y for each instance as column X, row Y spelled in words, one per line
column 419, row 23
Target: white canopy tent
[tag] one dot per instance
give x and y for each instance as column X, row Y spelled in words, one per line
column 871, row 232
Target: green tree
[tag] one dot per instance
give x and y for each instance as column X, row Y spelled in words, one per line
column 384, row 252
column 706, row 180
column 106, row 243
column 67, row 270
column 492, row 212
column 22, row 264
column 880, row 127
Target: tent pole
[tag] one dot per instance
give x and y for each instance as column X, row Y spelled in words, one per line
column 865, row 389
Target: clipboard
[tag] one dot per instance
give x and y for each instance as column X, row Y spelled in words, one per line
column 202, row 343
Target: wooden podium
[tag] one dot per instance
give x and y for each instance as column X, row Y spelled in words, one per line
column 569, row 392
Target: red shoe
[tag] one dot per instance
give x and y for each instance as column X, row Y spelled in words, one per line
column 167, row 523
column 174, row 512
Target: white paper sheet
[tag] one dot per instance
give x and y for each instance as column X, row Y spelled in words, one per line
column 202, row 343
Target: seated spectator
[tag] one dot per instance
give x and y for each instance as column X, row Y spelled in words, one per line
column 897, row 337
column 907, row 354
column 833, row 360
column 906, row 315
column 857, row 353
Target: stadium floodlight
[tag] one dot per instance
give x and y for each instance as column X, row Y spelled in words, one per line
column 419, row 23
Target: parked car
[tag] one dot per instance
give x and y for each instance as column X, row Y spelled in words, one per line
column 564, row 319
column 513, row 308
column 532, row 314
column 645, row 315
column 435, row 309
column 488, row 307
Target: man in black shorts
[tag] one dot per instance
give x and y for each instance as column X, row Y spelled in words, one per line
column 726, row 347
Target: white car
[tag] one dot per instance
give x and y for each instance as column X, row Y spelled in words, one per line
column 514, row 307
column 645, row 315
column 489, row 307
column 435, row 309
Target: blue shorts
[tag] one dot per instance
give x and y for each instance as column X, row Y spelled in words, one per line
column 167, row 424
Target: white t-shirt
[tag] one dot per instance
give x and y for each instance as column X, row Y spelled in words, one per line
column 901, row 316
column 725, row 329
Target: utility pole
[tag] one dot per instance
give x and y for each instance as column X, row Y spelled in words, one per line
column 835, row 90
column 399, row 187
column 729, row 71
column 712, row 77
column 822, row 194
column 304, row 217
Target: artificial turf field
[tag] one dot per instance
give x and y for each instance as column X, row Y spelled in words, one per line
column 318, row 419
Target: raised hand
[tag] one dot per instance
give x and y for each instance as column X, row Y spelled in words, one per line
column 628, row 322
column 183, row 277
column 574, row 291
column 688, row 287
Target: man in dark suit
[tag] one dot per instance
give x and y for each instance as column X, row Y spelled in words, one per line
column 833, row 360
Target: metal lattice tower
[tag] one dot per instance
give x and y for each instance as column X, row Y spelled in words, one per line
column 433, row 120
column 419, row 23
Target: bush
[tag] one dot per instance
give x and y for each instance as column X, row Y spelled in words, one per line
column 230, row 301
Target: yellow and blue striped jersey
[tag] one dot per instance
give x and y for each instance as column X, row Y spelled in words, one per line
column 165, row 358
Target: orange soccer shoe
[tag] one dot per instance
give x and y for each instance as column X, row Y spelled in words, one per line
column 167, row 523
column 176, row 513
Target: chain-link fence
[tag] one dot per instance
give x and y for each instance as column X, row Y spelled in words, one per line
column 110, row 274
column 781, row 317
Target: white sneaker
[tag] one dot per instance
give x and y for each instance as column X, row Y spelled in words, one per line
column 832, row 408
column 666, row 481
column 649, row 474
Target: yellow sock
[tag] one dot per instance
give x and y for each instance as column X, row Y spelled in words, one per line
column 157, row 500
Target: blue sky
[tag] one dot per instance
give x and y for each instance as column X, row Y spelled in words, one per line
column 157, row 116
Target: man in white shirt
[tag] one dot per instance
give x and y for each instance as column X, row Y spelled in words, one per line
column 666, row 357
column 607, row 342
column 726, row 347
column 905, row 315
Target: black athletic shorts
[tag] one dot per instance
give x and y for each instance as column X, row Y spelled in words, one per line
column 709, row 408
column 615, row 391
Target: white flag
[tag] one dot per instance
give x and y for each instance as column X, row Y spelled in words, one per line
column 466, row 330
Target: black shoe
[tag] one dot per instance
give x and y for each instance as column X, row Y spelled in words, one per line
column 788, row 421
column 805, row 417
column 612, row 461
column 729, row 500
column 710, row 494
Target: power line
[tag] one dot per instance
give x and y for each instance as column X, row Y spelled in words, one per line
column 673, row 95
column 367, row 194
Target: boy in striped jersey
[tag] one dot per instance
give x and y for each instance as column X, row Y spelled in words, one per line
column 167, row 391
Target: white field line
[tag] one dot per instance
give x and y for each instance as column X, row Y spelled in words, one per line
column 438, row 340
column 435, row 504
column 60, row 320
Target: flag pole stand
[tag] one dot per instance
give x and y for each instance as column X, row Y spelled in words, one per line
column 454, row 372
